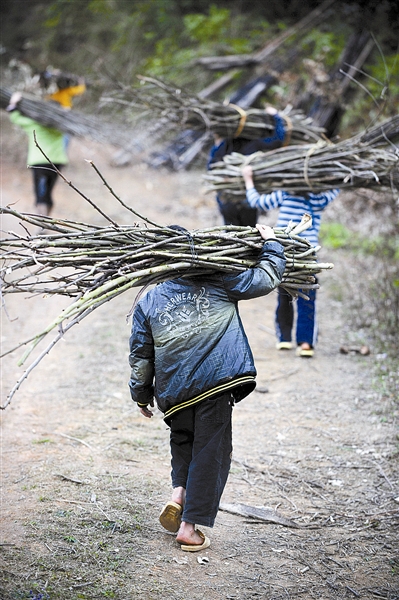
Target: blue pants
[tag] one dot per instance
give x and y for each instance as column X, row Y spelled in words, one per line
column 306, row 325
column 201, row 446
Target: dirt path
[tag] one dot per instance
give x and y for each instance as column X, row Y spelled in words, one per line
column 84, row 475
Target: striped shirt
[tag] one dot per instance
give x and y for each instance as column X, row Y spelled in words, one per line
column 292, row 208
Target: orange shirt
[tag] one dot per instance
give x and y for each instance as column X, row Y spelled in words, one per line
column 64, row 97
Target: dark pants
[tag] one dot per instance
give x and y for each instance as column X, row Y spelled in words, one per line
column 201, row 446
column 306, row 326
column 238, row 214
column 44, row 178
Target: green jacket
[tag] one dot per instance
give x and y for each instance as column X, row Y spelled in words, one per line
column 50, row 140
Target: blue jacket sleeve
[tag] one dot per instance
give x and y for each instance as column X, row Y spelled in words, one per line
column 272, row 142
column 216, row 153
column 141, row 360
column 279, row 132
column 261, row 279
column 248, row 146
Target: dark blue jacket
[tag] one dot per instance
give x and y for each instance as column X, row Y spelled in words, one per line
column 246, row 146
column 188, row 342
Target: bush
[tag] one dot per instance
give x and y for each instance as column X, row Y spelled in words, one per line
column 368, row 248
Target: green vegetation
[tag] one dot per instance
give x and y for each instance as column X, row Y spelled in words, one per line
column 370, row 293
column 111, row 41
column 335, row 235
column 338, row 235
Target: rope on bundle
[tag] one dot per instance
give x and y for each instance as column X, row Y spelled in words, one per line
column 312, row 150
column 243, row 119
column 288, row 129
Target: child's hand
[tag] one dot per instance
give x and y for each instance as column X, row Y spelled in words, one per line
column 265, row 231
column 247, row 171
column 15, row 98
column 247, row 174
column 145, row 411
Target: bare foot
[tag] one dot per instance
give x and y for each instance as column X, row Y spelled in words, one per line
column 188, row 535
column 306, row 346
column 305, row 350
column 179, row 495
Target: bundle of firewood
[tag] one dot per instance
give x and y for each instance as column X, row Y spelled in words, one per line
column 175, row 109
column 71, row 122
column 369, row 159
column 102, row 262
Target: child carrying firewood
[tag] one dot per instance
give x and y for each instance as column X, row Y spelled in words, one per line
column 67, row 88
column 188, row 349
column 51, row 142
column 291, row 209
column 232, row 208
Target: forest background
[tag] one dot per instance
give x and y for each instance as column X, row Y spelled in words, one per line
column 110, row 42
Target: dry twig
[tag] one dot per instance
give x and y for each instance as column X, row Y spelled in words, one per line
column 263, row 514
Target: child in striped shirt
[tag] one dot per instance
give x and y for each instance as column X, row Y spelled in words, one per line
column 292, row 208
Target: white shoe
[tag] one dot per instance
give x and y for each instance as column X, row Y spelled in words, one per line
column 284, row 345
column 304, row 352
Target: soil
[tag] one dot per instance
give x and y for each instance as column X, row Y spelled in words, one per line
column 84, row 475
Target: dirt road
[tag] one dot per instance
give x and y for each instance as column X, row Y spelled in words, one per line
column 83, row 475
